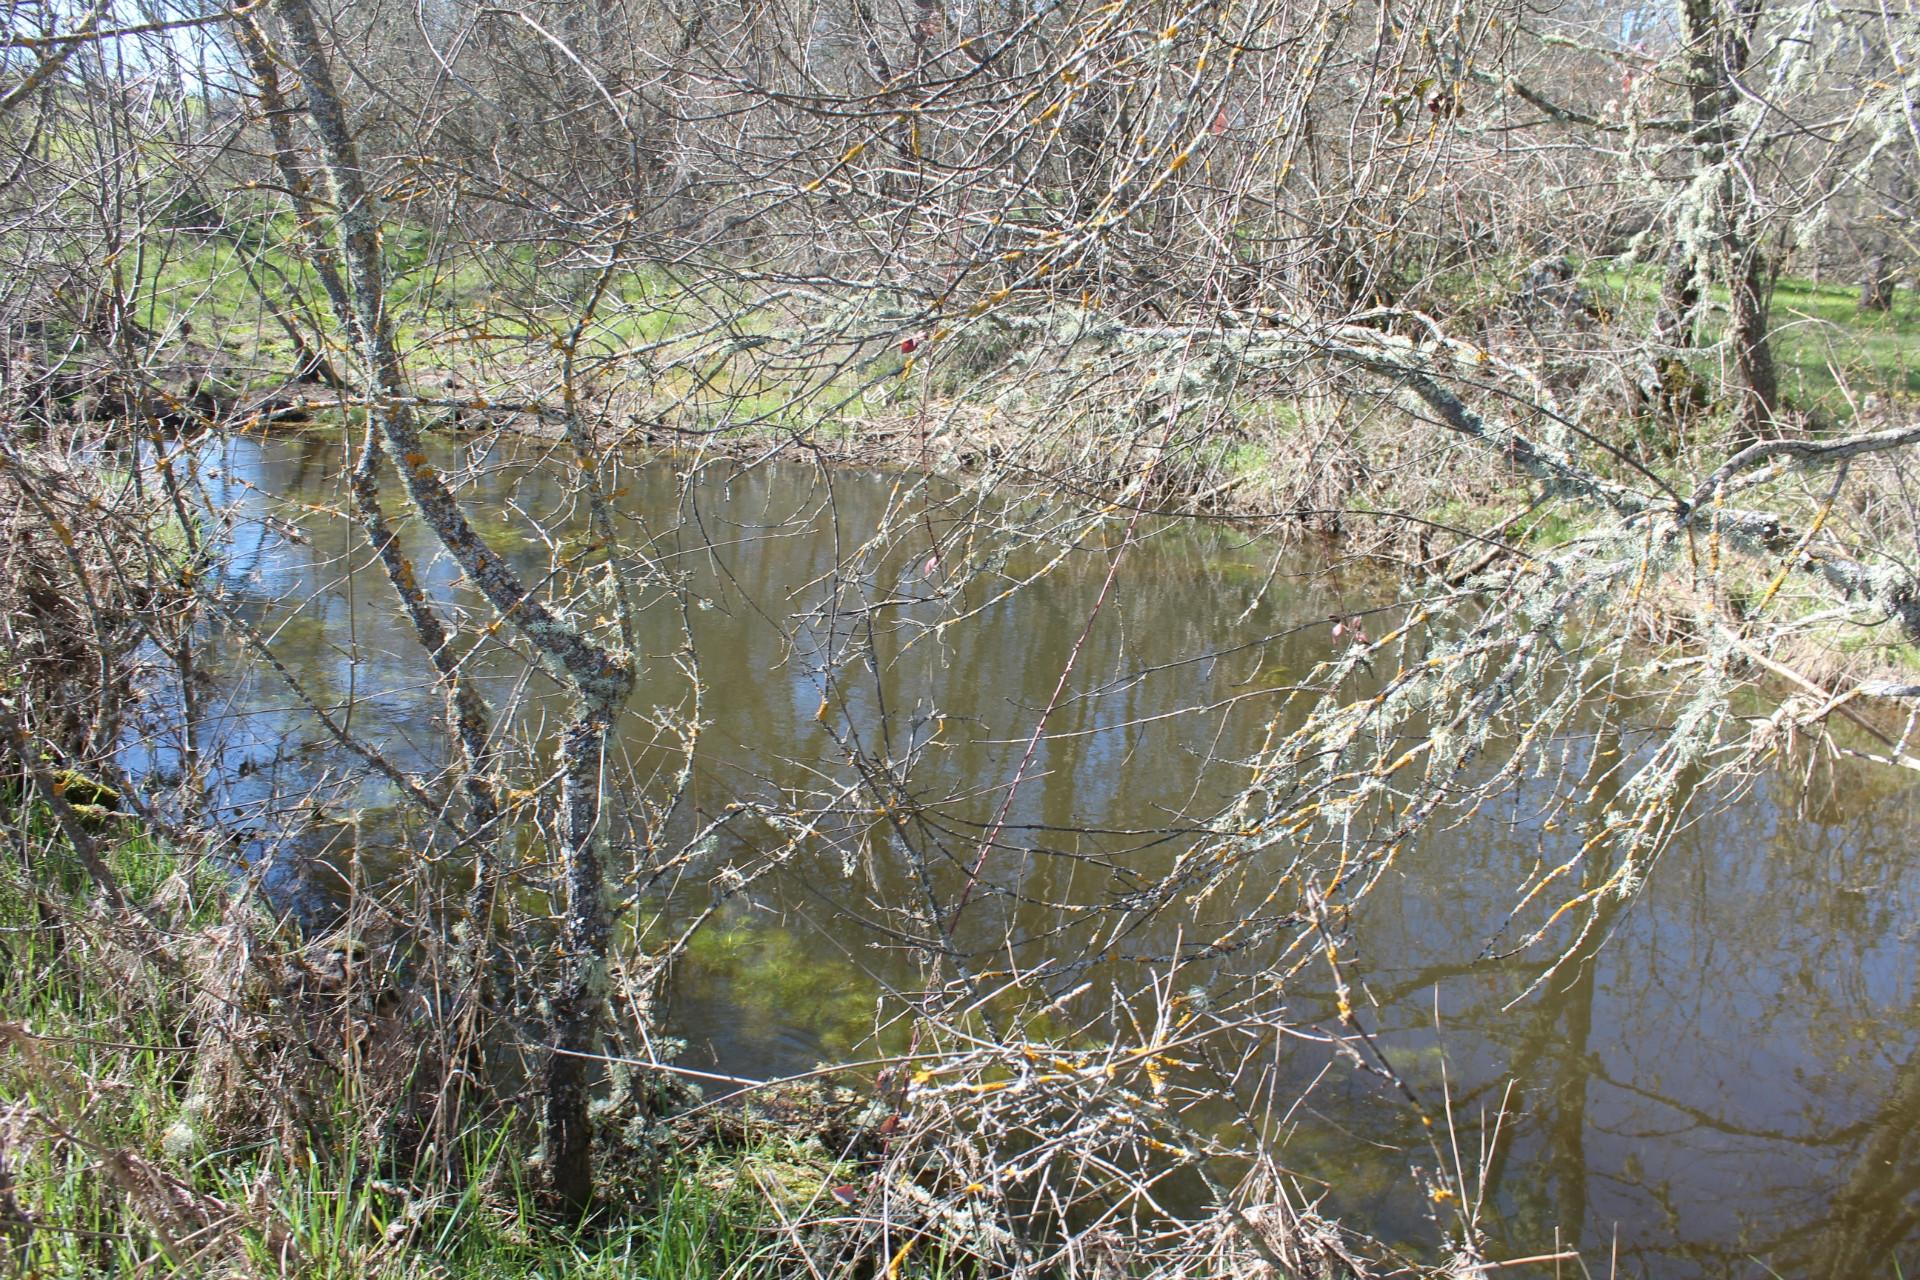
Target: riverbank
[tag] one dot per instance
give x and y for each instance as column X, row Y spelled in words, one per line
column 1113, row 1078
column 1345, row 474
column 190, row 1086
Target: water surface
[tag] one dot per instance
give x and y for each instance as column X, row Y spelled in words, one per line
column 1729, row 1085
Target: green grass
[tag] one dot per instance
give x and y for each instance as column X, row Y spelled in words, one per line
column 1823, row 340
column 702, row 1226
column 456, row 303
column 463, row 310
column 1825, row 347
column 103, row 1079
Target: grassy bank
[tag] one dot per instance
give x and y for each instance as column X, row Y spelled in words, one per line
column 116, row 1158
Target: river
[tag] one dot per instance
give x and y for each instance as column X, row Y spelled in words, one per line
column 1729, row 1086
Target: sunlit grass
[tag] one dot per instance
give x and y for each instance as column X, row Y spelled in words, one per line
column 1828, row 352
column 107, row 1071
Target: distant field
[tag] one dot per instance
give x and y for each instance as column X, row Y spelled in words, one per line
column 457, row 304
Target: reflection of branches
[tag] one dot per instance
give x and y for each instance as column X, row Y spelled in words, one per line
column 1087, row 249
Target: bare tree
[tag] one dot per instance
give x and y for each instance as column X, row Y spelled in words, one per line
column 1075, row 270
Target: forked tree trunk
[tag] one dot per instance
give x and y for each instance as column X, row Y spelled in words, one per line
column 468, row 711
column 601, row 681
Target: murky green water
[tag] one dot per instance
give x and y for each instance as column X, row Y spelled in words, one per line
column 1730, row 1085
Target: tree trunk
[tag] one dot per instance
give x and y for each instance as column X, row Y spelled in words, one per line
column 600, row 680
column 1718, row 37
column 579, row 998
column 1877, row 286
column 1755, row 383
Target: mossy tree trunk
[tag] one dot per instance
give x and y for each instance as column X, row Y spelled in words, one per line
column 1716, row 233
column 601, row 679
